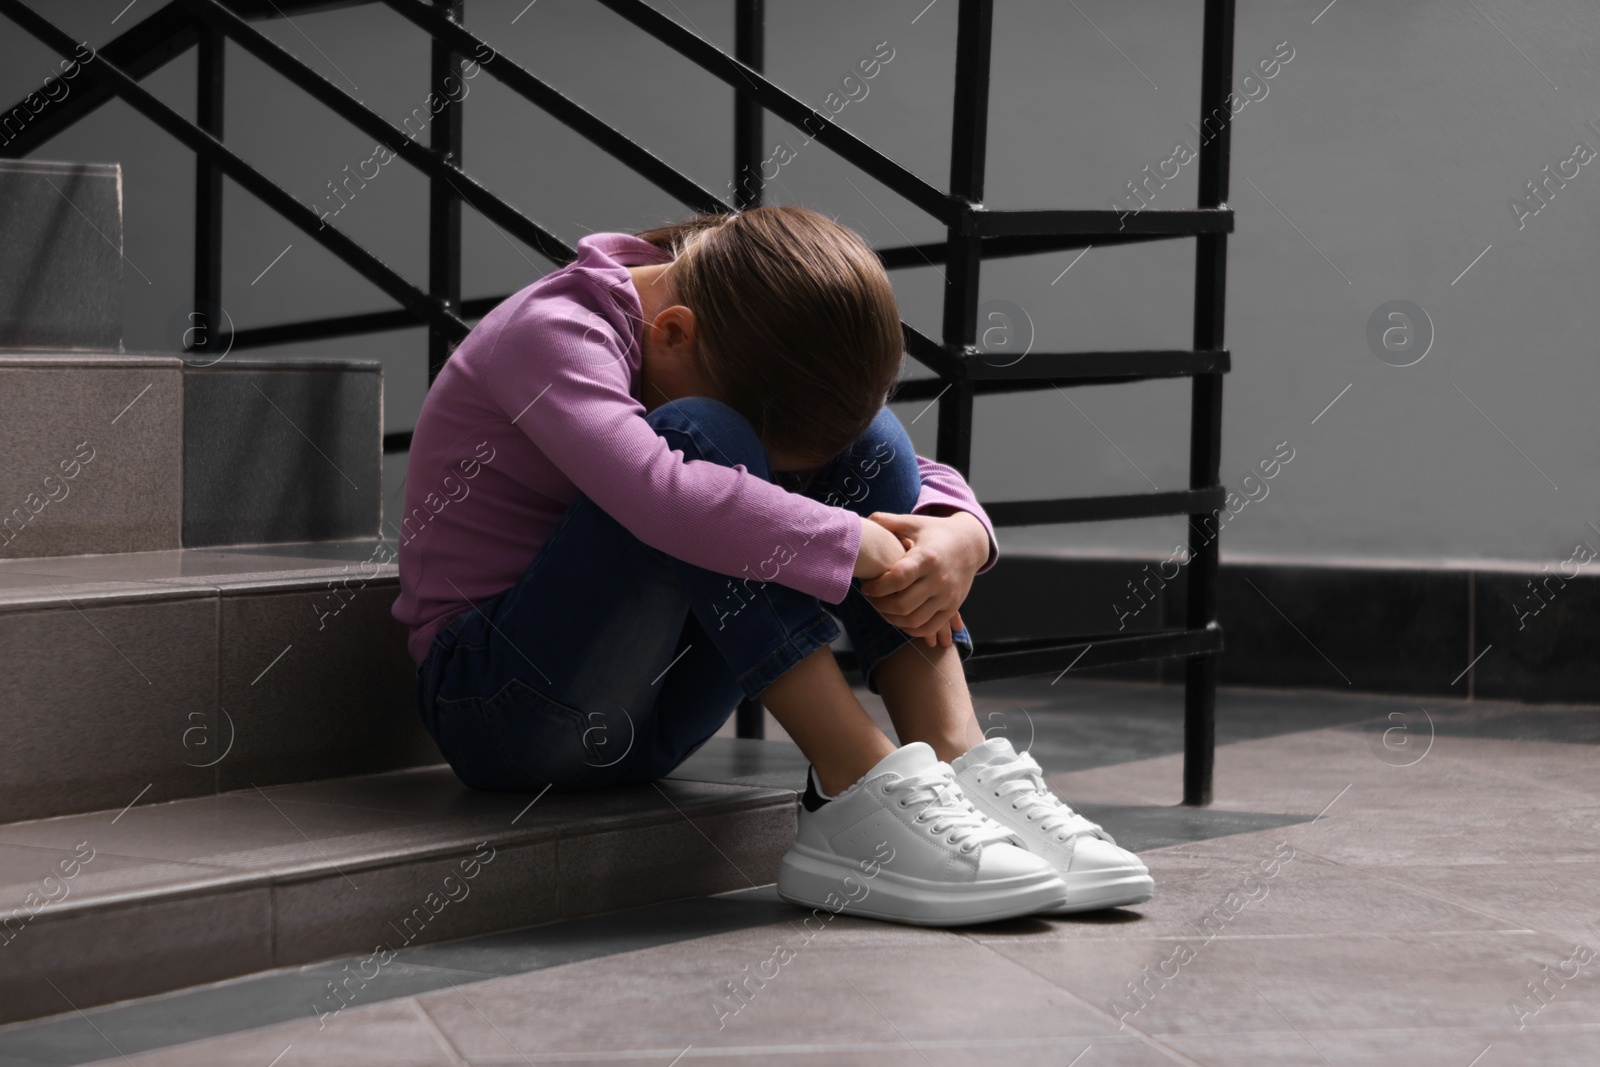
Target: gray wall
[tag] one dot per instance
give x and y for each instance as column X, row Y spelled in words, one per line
column 1379, row 164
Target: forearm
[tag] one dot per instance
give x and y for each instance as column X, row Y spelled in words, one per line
column 878, row 552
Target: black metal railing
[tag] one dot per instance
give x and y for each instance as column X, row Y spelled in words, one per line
column 973, row 233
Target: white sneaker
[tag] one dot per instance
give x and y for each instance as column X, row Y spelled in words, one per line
column 1010, row 789
column 904, row 844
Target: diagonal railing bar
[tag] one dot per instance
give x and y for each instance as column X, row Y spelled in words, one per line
column 908, row 389
column 564, row 110
column 253, row 181
column 791, row 109
column 144, row 47
column 424, row 158
column 931, row 354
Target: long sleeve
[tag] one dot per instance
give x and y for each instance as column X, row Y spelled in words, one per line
column 541, row 395
column 560, row 370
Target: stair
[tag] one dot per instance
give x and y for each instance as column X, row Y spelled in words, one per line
column 197, row 890
column 186, row 672
column 113, row 452
column 214, row 762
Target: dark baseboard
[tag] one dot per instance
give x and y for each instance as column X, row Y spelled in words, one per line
column 1464, row 632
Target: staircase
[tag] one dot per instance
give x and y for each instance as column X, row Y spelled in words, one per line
column 214, row 764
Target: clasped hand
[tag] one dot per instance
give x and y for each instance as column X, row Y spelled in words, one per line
column 921, row 593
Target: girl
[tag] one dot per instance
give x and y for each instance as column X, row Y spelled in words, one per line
column 643, row 487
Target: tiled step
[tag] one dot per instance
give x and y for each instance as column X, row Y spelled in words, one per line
column 122, row 903
column 113, row 452
column 193, row 671
column 61, row 260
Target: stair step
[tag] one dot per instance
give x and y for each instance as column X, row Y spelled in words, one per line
column 61, row 260
column 123, row 903
column 114, row 452
column 195, row 671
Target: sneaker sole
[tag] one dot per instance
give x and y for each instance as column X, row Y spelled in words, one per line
column 807, row 879
column 1112, row 888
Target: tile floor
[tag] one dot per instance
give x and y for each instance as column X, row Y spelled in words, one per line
column 1429, row 896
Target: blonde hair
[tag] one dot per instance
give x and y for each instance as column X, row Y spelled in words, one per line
column 798, row 325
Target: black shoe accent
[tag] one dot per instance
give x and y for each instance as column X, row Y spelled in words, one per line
column 811, row 799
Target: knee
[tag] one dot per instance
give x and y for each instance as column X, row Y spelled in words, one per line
column 886, row 461
column 703, row 427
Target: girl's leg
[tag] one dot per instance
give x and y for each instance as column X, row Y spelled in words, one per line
column 923, row 688
column 815, row 706
column 610, row 661
column 927, row 697
column 926, row 693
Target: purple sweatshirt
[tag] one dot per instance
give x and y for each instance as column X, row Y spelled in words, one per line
column 540, row 402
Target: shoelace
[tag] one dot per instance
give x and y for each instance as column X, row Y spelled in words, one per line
column 1023, row 780
column 947, row 809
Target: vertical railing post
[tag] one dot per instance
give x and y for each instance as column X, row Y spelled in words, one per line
column 444, row 207
column 1205, row 418
column 749, row 48
column 209, row 82
column 969, row 141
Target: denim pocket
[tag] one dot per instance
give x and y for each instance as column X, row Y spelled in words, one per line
column 542, row 739
column 472, row 746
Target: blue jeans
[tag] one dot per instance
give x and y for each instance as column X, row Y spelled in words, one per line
column 609, row 661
